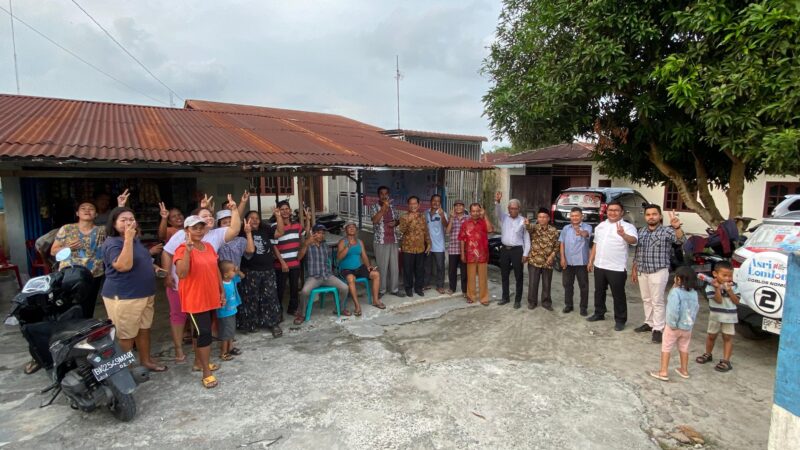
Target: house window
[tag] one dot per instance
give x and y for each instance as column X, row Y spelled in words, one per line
column 776, row 192
column 673, row 200
column 277, row 185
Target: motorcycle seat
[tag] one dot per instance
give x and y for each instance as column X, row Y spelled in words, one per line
column 68, row 329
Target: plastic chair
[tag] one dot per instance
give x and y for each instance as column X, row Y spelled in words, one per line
column 321, row 291
column 37, row 260
column 5, row 265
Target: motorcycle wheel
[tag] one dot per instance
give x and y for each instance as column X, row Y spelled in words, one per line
column 123, row 406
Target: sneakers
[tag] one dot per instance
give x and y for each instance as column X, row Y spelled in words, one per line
column 656, row 336
column 645, row 328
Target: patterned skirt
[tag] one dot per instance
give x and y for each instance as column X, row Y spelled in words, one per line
column 260, row 306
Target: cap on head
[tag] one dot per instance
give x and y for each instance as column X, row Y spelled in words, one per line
column 458, row 202
column 349, row 224
column 223, row 213
column 318, row 227
column 192, row 221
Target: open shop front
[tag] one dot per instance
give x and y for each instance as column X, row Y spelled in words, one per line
column 50, row 203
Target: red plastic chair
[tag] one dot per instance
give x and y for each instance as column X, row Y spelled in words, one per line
column 5, row 265
column 38, row 261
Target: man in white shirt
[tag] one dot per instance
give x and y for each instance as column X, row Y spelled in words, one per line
column 516, row 245
column 608, row 261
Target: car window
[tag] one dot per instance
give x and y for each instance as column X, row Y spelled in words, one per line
column 769, row 236
column 795, row 205
column 580, row 199
column 640, row 200
column 628, row 201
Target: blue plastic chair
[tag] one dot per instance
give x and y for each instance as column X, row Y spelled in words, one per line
column 321, row 291
column 358, row 280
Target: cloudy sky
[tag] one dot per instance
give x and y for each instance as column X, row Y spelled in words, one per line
column 316, row 55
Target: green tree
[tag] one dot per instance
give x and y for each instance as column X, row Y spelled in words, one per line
column 651, row 82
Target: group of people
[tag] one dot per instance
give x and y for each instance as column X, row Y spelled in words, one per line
column 229, row 270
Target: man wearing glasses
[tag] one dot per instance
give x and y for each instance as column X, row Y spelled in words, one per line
column 608, row 260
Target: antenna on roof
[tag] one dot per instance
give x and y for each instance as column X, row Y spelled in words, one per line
column 13, row 44
column 398, row 76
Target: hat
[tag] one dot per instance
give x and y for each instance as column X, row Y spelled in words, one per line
column 318, row 227
column 192, row 221
column 348, row 224
column 223, row 213
column 458, row 202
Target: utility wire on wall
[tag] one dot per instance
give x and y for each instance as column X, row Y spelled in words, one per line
column 73, row 54
column 171, row 92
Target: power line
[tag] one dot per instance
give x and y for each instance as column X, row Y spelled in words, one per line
column 14, row 45
column 79, row 58
column 126, row 50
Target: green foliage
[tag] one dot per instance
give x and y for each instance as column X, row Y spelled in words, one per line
column 681, row 82
column 741, row 80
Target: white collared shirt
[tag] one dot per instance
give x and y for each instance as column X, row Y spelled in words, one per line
column 612, row 250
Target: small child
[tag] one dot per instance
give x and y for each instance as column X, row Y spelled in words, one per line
column 722, row 300
column 682, row 309
column 227, row 314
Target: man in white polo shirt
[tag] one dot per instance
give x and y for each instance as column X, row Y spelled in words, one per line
column 608, row 260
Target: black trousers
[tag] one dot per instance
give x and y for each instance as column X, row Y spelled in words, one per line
column 293, row 277
column 88, row 303
column 413, row 271
column 616, row 280
column 511, row 258
column 568, row 277
column 534, row 275
column 454, row 266
column 201, row 327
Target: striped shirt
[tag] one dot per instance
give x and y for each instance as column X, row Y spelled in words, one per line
column 288, row 245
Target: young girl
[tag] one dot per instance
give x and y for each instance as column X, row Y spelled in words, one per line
column 682, row 309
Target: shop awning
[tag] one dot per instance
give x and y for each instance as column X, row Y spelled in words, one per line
column 204, row 133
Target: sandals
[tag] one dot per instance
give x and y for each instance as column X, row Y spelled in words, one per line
column 235, row 351
column 723, row 366
column 470, row 301
column 156, row 368
column 211, row 366
column 32, row 367
column 685, row 376
column 298, row 320
column 357, row 313
column 210, row 382
column 180, row 360
column 704, row 358
column 379, row 305
column 658, row 376
column 226, row 357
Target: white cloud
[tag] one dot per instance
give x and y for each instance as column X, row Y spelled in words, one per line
column 327, row 56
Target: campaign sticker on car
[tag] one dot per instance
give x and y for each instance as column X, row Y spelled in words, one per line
column 762, row 283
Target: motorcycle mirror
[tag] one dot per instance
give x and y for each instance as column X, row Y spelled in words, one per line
column 63, row 254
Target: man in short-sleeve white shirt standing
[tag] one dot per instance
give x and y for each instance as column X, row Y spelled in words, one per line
column 608, row 260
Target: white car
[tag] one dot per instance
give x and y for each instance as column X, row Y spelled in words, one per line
column 760, row 269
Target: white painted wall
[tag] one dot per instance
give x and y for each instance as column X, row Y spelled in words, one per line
column 268, row 201
column 753, row 200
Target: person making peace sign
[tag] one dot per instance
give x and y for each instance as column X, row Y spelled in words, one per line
column 651, row 266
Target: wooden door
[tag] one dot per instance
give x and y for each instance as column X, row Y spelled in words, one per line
column 318, row 203
column 533, row 191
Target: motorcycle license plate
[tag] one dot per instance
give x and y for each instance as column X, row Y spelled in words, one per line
column 771, row 325
column 112, row 366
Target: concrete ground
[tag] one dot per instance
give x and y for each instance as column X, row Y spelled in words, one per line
column 428, row 372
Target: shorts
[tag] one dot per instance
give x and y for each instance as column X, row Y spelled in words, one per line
column 673, row 336
column 130, row 315
column 360, row 272
column 176, row 316
column 715, row 327
column 226, row 328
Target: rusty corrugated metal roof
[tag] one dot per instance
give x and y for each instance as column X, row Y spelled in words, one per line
column 72, row 129
column 576, row 151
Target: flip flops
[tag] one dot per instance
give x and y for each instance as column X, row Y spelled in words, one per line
column 658, row 376
column 681, row 374
column 210, row 382
column 32, row 367
column 211, row 366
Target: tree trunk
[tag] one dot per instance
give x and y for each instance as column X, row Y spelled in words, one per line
column 735, row 193
column 708, row 209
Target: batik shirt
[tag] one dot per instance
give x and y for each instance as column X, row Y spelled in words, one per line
column 415, row 233
column 475, row 235
column 380, row 230
column 544, row 242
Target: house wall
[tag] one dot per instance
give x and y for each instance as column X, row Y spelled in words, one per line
column 753, row 200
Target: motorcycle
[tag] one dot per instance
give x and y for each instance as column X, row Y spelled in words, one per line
column 702, row 253
column 80, row 355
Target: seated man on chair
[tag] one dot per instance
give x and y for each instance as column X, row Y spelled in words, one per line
column 316, row 255
column 354, row 263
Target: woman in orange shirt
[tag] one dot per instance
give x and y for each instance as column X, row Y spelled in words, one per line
column 200, row 290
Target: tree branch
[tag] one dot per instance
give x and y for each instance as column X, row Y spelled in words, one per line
column 703, row 188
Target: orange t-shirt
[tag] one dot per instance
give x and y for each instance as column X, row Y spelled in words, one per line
column 200, row 290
